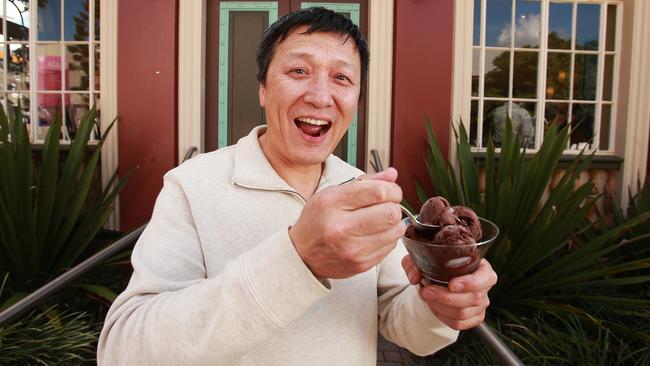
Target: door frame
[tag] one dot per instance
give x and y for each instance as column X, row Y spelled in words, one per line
column 191, row 77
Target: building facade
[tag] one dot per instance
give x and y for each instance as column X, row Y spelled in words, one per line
column 183, row 75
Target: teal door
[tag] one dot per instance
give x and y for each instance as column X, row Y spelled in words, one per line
column 232, row 105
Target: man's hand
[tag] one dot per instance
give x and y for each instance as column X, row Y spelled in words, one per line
column 462, row 305
column 348, row 229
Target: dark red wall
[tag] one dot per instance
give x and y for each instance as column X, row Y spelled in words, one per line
column 422, row 85
column 147, row 49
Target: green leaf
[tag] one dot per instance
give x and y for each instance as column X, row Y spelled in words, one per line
column 99, row 291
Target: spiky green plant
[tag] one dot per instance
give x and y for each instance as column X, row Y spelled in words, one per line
column 550, row 258
column 47, row 218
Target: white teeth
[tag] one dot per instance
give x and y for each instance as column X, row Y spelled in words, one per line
column 312, row 121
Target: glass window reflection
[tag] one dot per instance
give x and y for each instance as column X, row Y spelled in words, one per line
column 497, row 73
column 78, row 62
column 528, row 23
column 587, row 27
column 18, row 67
column 585, row 79
column 498, row 23
column 18, row 20
column 582, row 126
column 49, row 20
column 477, row 22
column 76, row 16
column 560, row 25
column 558, row 75
column 524, row 75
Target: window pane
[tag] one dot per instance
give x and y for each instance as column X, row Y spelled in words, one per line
column 524, row 78
column 587, row 27
column 49, row 108
column 559, row 25
column 493, row 113
column 476, row 54
column 473, row 123
column 97, row 67
column 605, row 123
column 49, row 20
column 610, row 44
column 18, row 68
column 608, row 81
column 523, row 122
column 477, row 22
column 586, row 72
column 15, row 99
column 77, row 61
column 497, row 73
column 556, row 113
column 76, row 18
column 49, row 66
column 558, row 75
column 582, row 125
column 76, row 106
column 18, row 20
column 498, row 23
column 97, row 28
column 528, row 23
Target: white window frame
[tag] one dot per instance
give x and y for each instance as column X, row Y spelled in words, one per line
column 191, row 77
column 636, row 126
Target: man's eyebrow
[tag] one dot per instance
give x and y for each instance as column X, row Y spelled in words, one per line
column 309, row 56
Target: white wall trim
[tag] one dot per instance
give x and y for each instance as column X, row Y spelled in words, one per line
column 380, row 80
column 191, row 76
column 638, row 104
column 462, row 69
column 108, row 97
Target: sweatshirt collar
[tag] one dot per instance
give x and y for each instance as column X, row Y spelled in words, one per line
column 253, row 170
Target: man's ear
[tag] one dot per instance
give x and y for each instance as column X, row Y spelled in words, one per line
column 262, row 94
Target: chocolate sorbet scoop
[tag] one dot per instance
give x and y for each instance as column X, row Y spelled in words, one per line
column 468, row 218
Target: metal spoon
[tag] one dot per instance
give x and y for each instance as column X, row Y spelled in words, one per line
column 420, row 226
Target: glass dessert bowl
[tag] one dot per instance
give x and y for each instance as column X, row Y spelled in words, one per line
column 440, row 260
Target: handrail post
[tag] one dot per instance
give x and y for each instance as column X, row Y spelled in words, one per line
column 496, row 346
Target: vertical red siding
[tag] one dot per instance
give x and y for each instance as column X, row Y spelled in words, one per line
column 147, row 57
column 422, row 85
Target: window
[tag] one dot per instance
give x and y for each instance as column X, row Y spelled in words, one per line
column 543, row 61
column 51, row 49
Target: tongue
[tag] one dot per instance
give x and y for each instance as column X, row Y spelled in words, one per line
column 308, row 129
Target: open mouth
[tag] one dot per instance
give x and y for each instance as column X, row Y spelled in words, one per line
column 313, row 127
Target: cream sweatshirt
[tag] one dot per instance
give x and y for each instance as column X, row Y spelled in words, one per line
column 217, row 281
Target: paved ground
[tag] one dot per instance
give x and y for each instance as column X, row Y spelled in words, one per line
column 389, row 354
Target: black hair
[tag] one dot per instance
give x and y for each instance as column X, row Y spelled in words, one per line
column 319, row 19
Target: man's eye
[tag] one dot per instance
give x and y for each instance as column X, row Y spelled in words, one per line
column 299, row 71
column 342, row 77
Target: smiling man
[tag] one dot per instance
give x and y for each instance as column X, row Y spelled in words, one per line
column 258, row 254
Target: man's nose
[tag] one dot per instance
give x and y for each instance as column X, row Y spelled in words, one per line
column 319, row 93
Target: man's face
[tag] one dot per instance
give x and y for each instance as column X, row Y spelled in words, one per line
column 310, row 96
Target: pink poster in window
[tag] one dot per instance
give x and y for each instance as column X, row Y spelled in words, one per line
column 49, row 78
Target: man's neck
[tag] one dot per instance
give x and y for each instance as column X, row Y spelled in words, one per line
column 303, row 178
column 304, row 181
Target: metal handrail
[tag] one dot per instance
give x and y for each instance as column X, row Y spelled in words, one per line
column 483, row 331
column 32, row 300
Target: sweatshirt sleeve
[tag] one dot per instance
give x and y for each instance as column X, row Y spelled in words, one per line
column 404, row 318
column 172, row 314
